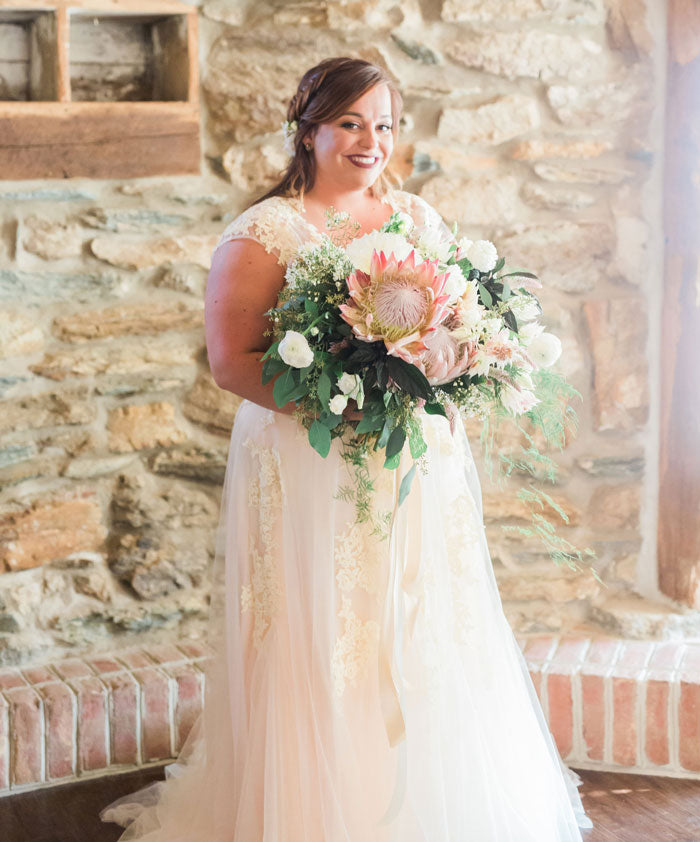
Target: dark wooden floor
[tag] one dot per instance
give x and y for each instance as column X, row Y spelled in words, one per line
column 623, row 808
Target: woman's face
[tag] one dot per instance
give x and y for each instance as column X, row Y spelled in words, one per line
column 352, row 150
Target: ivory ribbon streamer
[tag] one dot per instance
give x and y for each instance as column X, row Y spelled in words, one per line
column 404, row 572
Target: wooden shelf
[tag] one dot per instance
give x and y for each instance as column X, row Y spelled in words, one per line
column 109, row 129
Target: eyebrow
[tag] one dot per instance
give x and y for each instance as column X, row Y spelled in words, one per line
column 356, row 114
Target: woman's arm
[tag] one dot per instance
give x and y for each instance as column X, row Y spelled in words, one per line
column 244, row 281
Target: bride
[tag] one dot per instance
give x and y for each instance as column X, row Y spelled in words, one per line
column 362, row 690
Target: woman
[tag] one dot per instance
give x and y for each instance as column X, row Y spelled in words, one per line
column 363, row 690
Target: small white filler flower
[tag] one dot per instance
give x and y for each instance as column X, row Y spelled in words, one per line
column 294, row 350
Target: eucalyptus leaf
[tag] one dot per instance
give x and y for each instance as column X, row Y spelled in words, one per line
column 485, row 296
column 324, row 389
column 271, row 367
column 284, row 386
column 405, row 486
column 320, row 438
column 435, row 409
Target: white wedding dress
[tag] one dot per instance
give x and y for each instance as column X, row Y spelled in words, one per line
column 364, row 690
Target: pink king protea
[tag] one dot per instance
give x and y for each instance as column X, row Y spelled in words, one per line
column 398, row 302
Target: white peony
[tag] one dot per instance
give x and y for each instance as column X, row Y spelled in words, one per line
column 518, row 402
column 351, row 385
column 456, row 283
column 338, row 404
column 360, row 249
column 528, row 332
column 544, row 350
column 463, row 246
column 482, row 255
column 295, row 350
column 432, row 243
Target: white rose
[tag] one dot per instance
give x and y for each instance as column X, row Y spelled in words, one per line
column 545, row 350
column 482, row 255
column 360, row 249
column 456, row 283
column 338, row 404
column 351, row 385
column 295, row 350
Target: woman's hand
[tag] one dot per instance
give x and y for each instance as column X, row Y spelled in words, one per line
column 351, row 412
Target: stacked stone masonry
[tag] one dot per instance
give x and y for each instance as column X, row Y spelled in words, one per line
column 528, row 123
column 611, row 704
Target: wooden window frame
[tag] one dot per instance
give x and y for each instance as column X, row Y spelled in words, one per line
column 54, row 137
column 678, row 532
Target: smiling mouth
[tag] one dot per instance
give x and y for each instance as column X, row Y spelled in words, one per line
column 364, row 160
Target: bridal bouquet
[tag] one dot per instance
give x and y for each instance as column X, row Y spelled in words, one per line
column 403, row 322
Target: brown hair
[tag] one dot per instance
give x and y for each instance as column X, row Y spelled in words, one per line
column 325, row 92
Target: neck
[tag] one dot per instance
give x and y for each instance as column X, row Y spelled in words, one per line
column 327, row 195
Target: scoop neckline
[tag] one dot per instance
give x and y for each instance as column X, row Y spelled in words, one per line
column 297, row 203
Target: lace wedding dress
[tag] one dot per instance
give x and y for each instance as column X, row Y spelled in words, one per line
column 364, row 690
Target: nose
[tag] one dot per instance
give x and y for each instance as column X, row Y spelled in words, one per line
column 369, row 139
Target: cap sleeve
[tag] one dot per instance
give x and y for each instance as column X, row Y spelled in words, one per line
column 269, row 223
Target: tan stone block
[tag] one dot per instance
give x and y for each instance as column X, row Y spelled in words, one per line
column 632, row 260
column 550, row 584
column 571, row 256
column 493, row 122
column 255, row 169
column 141, row 357
column 19, row 334
column 474, row 201
column 555, row 198
column 583, row 173
column 506, row 506
column 577, row 11
column 628, row 26
column 618, row 332
column 50, row 409
column 211, row 406
column 612, row 102
column 51, row 240
column 142, row 253
column 541, row 147
column 142, row 426
column 530, row 53
column 50, row 529
column 615, row 507
column 183, row 277
column 452, row 159
column 145, row 317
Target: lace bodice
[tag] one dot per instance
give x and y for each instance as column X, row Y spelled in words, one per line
column 279, row 226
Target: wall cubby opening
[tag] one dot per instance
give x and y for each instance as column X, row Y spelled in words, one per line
column 28, row 55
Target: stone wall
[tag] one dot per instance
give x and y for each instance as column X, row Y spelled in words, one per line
column 534, row 123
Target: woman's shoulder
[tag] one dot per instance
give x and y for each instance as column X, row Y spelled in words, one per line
column 270, row 222
column 416, row 207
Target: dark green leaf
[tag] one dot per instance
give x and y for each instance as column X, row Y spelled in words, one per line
column 510, row 320
column 435, row 409
column 409, row 378
column 284, row 386
column 386, row 432
column 396, row 442
column 320, row 438
column 271, row 367
column 370, row 423
column 271, row 350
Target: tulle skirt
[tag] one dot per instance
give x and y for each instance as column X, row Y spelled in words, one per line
column 367, row 686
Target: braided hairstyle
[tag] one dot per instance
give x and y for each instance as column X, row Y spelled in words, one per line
column 325, row 92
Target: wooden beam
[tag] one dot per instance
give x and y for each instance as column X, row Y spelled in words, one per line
column 98, row 139
column 678, row 533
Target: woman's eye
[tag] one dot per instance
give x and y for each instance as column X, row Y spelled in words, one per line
column 352, row 125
